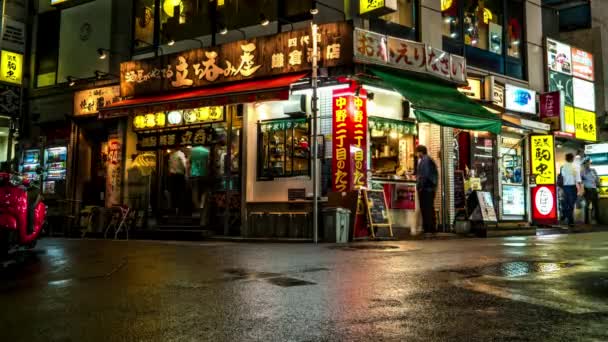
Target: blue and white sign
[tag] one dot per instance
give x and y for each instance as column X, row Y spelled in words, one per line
column 519, row 99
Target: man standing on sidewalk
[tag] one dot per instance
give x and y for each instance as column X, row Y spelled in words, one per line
column 571, row 187
column 590, row 181
column 426, row 185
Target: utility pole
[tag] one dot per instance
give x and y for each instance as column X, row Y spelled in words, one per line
column 315, row 147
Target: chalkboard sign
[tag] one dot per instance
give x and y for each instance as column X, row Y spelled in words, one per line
column 459, row 194
column 377, row 210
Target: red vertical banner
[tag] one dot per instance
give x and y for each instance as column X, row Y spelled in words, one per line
column 340, row 142
column 358, row 142
column 349, row 140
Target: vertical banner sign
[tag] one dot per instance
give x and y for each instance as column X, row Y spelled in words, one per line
column 358, row 142
column 113, row 171
column 543, row 159
column 340, row 145
column 552, row 109
column 349, row 141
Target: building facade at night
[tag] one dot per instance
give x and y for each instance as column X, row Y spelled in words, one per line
column 197, row 115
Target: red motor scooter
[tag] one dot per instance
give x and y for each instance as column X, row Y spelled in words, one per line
column 22, row 213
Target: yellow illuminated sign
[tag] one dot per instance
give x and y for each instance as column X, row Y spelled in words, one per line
column 569, row 124
column 543, row 158
column 370, row 5
column 586, row 127
column 446, row 4
column 178, row 118
column 11, row 67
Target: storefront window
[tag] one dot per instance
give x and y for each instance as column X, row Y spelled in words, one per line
column 515, row 19
column 451, row 18
column 283, row 148
column 401, row 23
column 144, row 23
column 485, row 34
column 483, row 24
column 404, row 15
column 392, row 149
column 511, row 176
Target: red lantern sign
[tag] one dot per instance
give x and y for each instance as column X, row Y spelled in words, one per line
column 544, row 204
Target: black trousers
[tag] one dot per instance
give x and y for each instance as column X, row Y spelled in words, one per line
column 426, row 198
column 177, row 189
column 591, row 198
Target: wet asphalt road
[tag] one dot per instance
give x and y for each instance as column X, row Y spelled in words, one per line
column 550, row 288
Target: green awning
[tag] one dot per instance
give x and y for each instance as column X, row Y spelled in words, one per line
column 441, row 104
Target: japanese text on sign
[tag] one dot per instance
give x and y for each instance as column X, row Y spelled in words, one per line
column 11, row 67
column 341, row 149
column 263, row 56
column 543, row 159
column 586, row 127
column 349, row 145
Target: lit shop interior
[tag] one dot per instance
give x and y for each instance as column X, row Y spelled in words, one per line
column 185, row 166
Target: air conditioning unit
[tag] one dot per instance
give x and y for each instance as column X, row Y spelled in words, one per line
column 297, row 105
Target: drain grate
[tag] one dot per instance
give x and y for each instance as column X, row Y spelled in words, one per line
column 365, row 247
column 288, row 282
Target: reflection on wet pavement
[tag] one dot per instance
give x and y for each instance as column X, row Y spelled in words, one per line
column 514, row 289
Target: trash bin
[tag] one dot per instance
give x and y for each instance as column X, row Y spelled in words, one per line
column 336, row 225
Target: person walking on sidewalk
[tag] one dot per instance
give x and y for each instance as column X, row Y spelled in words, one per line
column 571, row 187
column 426, row 185
column 590, row 181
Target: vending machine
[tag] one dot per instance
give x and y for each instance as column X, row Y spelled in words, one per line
column 30, row 163
column 55, row 163
column 598, row 153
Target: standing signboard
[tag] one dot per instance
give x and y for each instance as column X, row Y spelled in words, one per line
column 544, row 209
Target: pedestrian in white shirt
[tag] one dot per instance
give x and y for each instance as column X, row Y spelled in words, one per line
column 571, row 187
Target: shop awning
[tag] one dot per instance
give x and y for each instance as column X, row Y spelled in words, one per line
column 441, row 104
column 276, row 88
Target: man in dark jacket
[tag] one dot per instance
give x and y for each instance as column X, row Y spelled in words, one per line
column 426, row 185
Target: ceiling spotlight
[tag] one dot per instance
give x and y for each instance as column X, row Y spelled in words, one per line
column 263, row 20
column 71, row 81
column 171, row 42
column 314, row 10
column 102, row 53
column 223, row 30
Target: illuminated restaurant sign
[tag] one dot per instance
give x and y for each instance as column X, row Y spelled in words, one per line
column 349, row 134
column 88, row 102
column 585, row 125
column 256, row 57
column 543, row 158
column 374, row 48
column 11, row 67
column 176, row 118
column 582, row 64
column 368, row 8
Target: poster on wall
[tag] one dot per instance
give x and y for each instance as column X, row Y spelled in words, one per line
column 584, row 94
column 582, row 64
column 543, row 158
column 544, row 206
column 561, row 82
column 113, row 171
column 520, row 99
column 559, row 56
column 513, row 200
